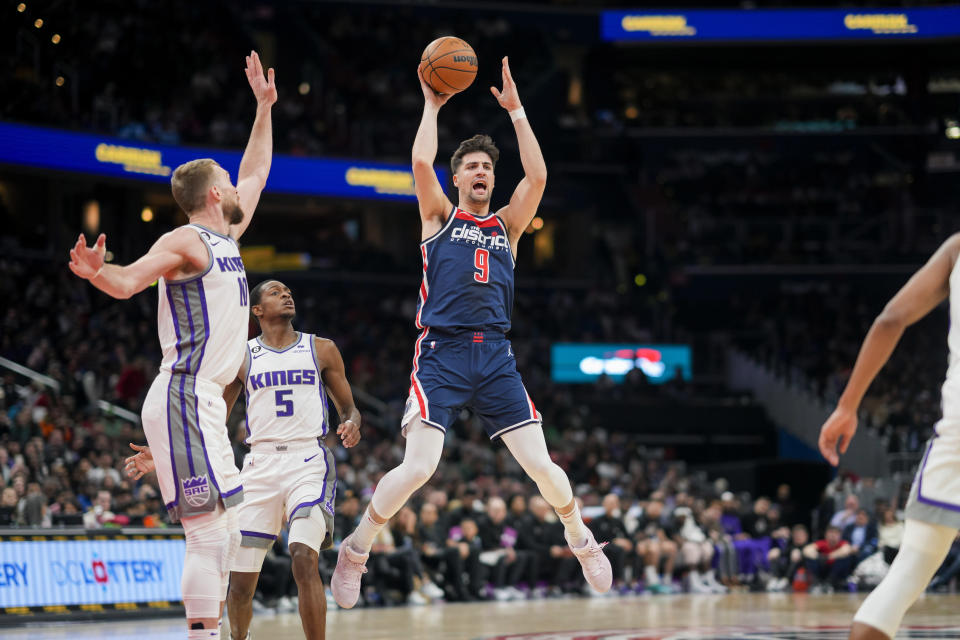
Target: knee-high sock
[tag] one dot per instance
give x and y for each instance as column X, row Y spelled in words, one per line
column 922, row 551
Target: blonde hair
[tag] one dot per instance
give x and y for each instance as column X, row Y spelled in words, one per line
column 190, row 182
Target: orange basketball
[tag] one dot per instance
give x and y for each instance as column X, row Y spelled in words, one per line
column 448, row 64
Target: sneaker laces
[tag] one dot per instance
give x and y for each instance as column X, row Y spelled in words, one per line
column 594, row 553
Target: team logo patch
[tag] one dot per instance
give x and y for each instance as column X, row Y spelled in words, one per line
column 729, row 633
column 256, row 349
column 196, row 490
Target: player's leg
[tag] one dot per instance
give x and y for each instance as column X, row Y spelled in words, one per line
column 306, row 537
column 420, row 460
column 260, row 516
column 211, row 538
column 211, row 542
column 243, row 584
column 923, row 549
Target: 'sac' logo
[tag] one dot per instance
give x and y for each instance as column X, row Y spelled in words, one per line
column 196, row 490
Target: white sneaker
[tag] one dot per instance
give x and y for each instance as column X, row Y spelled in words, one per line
column 432, row 591
column 285, row 604
column 417, row 598
column 501, row 595
column 516, row 594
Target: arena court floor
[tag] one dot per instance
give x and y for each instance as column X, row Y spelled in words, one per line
column 731, row 617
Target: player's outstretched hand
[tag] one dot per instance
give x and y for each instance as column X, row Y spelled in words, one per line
column 264, row 89
column 430, row 96
column 837, row 431
column 141, row 463
column 508, row 98
column 85, row 261
column 349, row 433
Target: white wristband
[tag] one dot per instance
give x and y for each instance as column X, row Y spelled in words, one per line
column 517, row 114
column 98, row 272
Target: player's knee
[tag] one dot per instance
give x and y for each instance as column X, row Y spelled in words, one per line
column 305, row 563
column 211, row 542
column 242, row 586
column 419, row 471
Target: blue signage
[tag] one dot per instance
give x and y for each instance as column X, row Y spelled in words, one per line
column 579, row 362
column 71, row 572
column 780, row 24
column 100, row 155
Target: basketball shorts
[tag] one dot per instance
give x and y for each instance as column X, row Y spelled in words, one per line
column 184, row 419
column 476, row 370
column 283, row 481
column 935, row 495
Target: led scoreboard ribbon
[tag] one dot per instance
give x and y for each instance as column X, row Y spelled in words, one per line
column 780, row 24
column 99, row 155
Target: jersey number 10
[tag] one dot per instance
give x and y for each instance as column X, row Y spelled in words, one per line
column 481, row 260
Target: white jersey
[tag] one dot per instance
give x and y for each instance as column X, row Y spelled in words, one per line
column 203, row 320
column 286, row 399
column 950, row 392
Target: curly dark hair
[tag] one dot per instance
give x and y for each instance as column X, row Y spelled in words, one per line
column 479, row 142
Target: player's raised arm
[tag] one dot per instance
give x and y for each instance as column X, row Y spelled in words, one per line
column 526, row 198
column 177, row 254
column 434, row 204
column 925, row 290
column 255, row 165
column 335, row 379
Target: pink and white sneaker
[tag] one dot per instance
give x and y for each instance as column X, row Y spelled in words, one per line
column 596, row 565
column 345, row 583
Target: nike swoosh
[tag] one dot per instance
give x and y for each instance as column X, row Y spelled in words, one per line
column 213, row 244
column 311, row 457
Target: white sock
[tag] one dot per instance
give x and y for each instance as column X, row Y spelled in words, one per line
column 576, row 530
column 650, row 575
column 710, row 577
column 362, row 538
column 695, row 576
column 203, row 634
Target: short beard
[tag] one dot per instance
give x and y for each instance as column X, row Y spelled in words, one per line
column 472, row 199
column 232, row 213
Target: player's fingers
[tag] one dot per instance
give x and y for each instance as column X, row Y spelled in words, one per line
column 101, row 241
column 259, row 65
column 495, row 92
column 270, row 74
column 136, row 447
column 845, row 442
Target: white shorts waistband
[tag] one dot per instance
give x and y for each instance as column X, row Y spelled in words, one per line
column 285, row 446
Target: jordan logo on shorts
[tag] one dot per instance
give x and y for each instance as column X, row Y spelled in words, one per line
column 196, row 490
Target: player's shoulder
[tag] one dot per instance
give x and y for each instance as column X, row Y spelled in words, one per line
column 319, row 342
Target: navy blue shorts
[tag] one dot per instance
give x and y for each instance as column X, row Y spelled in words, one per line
column 476, row 370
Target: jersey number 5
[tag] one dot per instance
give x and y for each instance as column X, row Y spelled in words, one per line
column 284, row 405
column 481, row 260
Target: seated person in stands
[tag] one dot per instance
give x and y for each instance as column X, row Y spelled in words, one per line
column 543, row 537
column 610, row 528
column 697, row 552
column 508, row 566
column 442, row 555
column 829, row 561
column 862, row 536
column 654, row 547
column 784, row 562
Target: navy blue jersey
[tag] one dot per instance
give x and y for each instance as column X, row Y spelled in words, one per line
column 467, row 275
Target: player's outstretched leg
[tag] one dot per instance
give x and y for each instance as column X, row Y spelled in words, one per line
column 212, row 541
column 240, row 603
column 420, row 459
column 529, row 447
column 923, row 549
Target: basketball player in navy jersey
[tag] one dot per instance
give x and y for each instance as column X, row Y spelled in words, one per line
column 462, row 357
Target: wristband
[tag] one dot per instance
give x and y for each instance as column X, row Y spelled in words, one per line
column 517, row 114
column 93, row 277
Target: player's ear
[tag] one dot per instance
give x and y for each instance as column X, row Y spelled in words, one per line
column 216, row 193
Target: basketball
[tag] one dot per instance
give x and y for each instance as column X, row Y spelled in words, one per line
column 448, row 64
